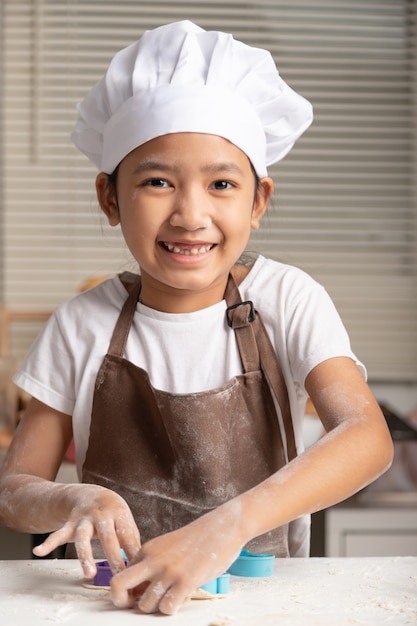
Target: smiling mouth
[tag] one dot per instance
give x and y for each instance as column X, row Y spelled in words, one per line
column 188, row 250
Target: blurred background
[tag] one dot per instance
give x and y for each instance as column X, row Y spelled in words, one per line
column 344, row 209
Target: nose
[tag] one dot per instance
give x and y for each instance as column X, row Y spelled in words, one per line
column 191, row 211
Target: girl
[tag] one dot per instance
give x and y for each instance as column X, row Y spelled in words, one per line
column 184, row 389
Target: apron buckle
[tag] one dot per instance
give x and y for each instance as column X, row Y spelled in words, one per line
column 243, row 317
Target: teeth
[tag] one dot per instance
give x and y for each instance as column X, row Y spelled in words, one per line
column 188, row 251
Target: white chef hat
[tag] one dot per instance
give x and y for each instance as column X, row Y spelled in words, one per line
column 181, row 78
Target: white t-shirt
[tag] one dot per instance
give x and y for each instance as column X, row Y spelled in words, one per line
column 183, row 353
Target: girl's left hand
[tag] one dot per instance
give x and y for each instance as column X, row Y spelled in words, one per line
column 169, row 568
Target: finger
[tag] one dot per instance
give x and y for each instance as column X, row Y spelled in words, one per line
column 174, row 598
column 111, row 546
column 150, row 599
column 54, row 540
column 83, row 536
column 131, row 548
column 128, row 536
column 123, row 586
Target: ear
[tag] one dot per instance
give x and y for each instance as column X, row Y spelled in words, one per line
column 264, row 191
column 107, row 199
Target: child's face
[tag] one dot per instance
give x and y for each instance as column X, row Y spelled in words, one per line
column 186, row 203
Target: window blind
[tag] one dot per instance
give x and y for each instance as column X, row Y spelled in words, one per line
column 344, row 207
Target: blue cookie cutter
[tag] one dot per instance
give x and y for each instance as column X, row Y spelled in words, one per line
column 247, row 564
column 219, row 585
column 253, row 565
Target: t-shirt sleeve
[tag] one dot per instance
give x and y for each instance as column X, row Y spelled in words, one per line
column 314, row 330
column 47, row 372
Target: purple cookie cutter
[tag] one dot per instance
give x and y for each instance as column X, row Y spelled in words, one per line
column 104, row 574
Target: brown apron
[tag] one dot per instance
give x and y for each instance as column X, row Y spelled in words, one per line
column 174, row 457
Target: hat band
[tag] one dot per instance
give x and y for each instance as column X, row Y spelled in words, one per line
column 183, row 108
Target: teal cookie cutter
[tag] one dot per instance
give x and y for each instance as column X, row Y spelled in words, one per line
column 247, row 564
column 219, row 585
column 252, row 565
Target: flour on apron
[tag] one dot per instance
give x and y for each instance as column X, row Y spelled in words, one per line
column 174, row 457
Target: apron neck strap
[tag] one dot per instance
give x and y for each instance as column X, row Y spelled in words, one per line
column 255, row 347
column 133, row 284
column 240, row 316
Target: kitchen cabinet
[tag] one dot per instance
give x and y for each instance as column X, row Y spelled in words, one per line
column 383, row 528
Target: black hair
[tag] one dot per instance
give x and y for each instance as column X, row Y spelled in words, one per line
column 112, row 181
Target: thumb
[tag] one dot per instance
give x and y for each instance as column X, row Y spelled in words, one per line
column 54, row 540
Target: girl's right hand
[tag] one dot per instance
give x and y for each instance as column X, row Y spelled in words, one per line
column 32, row 502
column 95, row 513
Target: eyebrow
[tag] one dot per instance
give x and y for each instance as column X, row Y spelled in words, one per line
column 226, row 166
column 152, row 164
column 210, row 168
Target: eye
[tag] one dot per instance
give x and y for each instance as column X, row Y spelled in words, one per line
column 222, row 184
column 156, row 182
